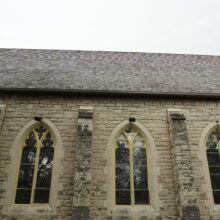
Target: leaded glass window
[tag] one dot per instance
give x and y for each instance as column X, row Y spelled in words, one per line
column 213, row 157
column 34, row 178
column 131, row 179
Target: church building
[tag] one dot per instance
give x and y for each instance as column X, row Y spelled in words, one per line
column 89, row 135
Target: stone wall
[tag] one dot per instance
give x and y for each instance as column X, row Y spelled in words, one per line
column 183, row 175
column 107, row 114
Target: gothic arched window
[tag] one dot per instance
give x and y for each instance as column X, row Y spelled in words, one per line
column 35, row 171
column 131, row 178
column 213, row 156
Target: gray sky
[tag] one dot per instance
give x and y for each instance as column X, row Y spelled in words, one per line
column 166, row 26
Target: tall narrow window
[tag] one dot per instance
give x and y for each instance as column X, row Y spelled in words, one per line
column 34, row 179
column 213, row 156
column 131, row 179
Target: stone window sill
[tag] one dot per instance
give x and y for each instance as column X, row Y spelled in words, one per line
column 29, row 210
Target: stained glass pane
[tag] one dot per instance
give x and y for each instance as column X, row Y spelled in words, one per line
column 44, row 176
column 23, row 196
column 31, row 140
column 215, row 180
column 138, row 141
column 122, row 138
column 210, row 144
column 214, row 170
column 44, row 172
column 140, row 178
column 141, row 197
column 123, row 169
column 216, row 134
column 46, row 155
column 25, row 178
column 45, row 164
column 122, row 156
column 123, row 177
column 40, row 131
column 123, row 197
column 138, row 138
column 122, row 144
column 213, row 158
column 139, row 157
column 216, row 195
column 28, row 155
column 41, row 195
column 214, row 163
column 139, row 144
column 48, row 142
column 141, row 193
column 130, row 133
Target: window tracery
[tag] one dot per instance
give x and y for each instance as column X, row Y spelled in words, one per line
column 131, row 179
column 34, row 178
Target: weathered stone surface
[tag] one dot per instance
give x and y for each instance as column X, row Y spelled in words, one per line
column 81, row 213
column 186, row 195
column 107, row 114
column 2, row 114
column 190, row 212
column 83, row 162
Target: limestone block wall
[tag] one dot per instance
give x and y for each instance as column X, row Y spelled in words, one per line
column 3, row 156
column 186, row 198
column 108, row 113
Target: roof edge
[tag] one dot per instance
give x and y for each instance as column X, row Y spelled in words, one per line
column 113, row 93
column 111, row 51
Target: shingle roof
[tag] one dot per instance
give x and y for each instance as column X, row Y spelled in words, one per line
column 109, row 72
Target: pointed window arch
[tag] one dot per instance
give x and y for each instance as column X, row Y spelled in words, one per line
column 35, row 168
column 131, row 178
column 213, row 157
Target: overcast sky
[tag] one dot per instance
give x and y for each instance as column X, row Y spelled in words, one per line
column 166, row 26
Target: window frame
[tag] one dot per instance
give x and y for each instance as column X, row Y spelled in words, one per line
column 155, row 187
column 37, row 158
column 204, row 170
column 11, row 183
column 213, row 137
column 153, row 209
column 131, row 163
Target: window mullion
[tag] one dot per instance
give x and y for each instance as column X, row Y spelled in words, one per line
column 131, row 173
column 35, row 168
column 145, row 147
column 114, row 179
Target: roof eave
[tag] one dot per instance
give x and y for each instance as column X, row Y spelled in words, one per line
column 109, row 93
